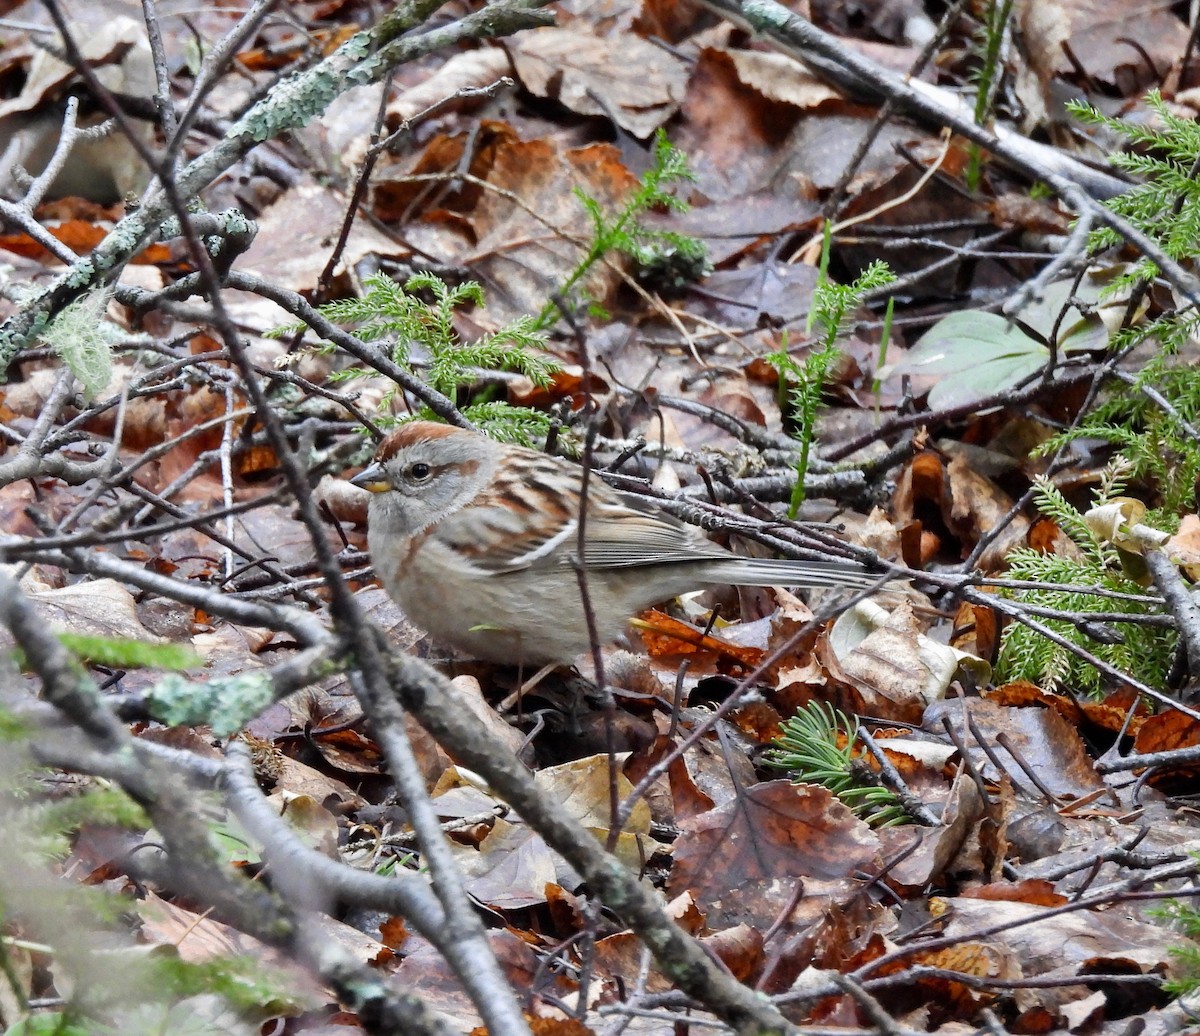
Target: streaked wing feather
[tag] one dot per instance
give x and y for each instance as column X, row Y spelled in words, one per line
column 624, row 531
column 502, row 537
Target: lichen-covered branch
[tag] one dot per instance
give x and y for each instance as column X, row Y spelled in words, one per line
column 293, row 102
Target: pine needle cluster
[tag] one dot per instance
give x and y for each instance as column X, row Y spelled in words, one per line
column 817, row 746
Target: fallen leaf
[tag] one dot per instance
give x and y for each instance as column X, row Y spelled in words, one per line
column 743, row 859
column 584, row 72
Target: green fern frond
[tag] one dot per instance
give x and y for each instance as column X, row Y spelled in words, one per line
column 1027, row 655
column 675, row 255
column 417, row 318
column 505, row 423
column 831, row 307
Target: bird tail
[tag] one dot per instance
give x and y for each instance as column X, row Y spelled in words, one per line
column 785, row 572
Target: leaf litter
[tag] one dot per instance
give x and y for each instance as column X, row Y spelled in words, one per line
column 1021, row 906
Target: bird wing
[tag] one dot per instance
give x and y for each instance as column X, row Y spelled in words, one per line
column 522, row 523
column 625, row 531
column 495, row 540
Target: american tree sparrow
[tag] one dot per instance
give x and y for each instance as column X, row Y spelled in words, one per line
column 476, row 541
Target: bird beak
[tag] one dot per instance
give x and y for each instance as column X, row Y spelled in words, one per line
column 372, row 478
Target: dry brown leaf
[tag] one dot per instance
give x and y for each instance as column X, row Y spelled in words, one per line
column 348, row 750
column 921, row 490
column 978, row 960
column 739, row 948
column 976, row 631
column 379, row 607
column 1169, row 730
column 228, row 650
column 756, row 293
column 526, row 248
column 581, row 787
column 664, row 635
column 888, row 673
column 1064, row 943
column 393, row 932
column 276, row 531
column 585, row 72
column 296, row 236
column 457, row 794
column 103, row 169
column 685, row 913
column 1021, row 692
column 730, row 230
column 566, row 910
column 299, row 780
column 717, row 775
column 309, row 820
column 1033, row 890
column 977, row 506
column 553, row 1027
column 444, row 202
column 675, row 796
column 731, row 393
column 471, row 694
column 198, row 938
column 512, row 866
column 96, row 608
column 1184, row 547
column 968, row 504
column 781, row 78
column 343, row 131
column 1028, row 215
column 81, row 237
column 1049, row 745
column 510, row 870
column 619, row 956
column 277, row 55
column 1129, row 45
column 742, row 860
column 1108, row 714
column 936, row 847
column 732, row 135
column 346, row 502
column 424, row 968
column 759, row 721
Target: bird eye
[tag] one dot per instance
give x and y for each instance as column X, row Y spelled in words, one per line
column 420, row 471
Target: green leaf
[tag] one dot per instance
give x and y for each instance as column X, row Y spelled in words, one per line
column 234, row 840
column 53, row 1023
column 1101, row 290
column 976, row 354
